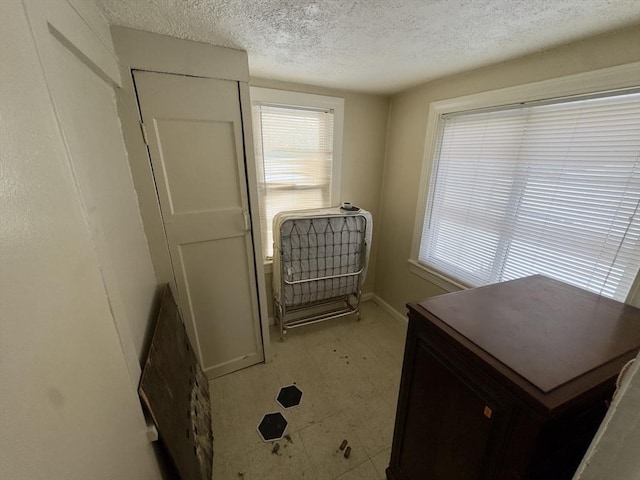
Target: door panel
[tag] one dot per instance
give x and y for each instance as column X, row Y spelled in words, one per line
column 196, row 149
column 209, row 296
column 198, row 225
column 189, row 183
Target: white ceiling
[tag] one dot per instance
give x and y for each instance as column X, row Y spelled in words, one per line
column 374, row 45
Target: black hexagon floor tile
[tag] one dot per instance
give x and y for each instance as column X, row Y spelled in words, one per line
column 272, row 427
column 289, row 396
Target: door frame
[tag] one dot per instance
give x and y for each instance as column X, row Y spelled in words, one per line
column 252, row 190
column 171, row 234
column 138, row 50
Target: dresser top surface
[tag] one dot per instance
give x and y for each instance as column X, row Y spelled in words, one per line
column 546, row 331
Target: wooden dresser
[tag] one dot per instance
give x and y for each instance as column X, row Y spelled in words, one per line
column 508, row 381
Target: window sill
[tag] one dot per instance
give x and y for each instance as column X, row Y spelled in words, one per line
column 435, row 277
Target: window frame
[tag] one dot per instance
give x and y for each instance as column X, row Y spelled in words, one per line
column 619, row 77
column 289, row 98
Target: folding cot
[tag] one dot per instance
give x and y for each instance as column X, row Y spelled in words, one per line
column 320, row 260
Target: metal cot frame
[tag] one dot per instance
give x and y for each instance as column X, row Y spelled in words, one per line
column 347, row 303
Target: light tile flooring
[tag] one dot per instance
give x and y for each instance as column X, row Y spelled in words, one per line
column 349, row 373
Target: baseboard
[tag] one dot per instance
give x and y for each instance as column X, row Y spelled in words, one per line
column 389, row 309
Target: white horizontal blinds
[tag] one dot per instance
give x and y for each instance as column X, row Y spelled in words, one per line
column 471, row 195
column 578, row 216
column 294, row 161
column 551, row 189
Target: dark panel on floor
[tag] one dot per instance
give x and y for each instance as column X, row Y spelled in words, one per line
column 289, row 396
column 176, row 393
column 272, row 426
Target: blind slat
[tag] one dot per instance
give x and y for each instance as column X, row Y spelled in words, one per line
column 294, row 155
column 550, row 188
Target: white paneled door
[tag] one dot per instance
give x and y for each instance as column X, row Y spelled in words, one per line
column 193, row 127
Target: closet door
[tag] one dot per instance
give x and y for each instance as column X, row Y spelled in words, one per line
column 193, row 128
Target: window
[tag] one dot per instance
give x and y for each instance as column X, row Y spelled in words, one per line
column 298, row 141
column 547, row 187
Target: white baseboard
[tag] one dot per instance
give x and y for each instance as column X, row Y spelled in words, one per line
column 390, row 310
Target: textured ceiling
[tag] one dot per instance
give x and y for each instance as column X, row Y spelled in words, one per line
column 374, row 45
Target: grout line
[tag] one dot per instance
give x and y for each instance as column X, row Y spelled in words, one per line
column 282, row 378
column 368, row 459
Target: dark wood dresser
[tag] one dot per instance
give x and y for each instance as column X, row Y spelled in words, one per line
column 507, row 381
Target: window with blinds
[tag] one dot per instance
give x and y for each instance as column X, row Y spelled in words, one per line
column 294, row 147
column 550, row 188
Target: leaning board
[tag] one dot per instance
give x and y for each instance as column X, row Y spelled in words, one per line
column 176, row 392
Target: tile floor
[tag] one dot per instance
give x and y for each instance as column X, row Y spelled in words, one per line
column 349, row 373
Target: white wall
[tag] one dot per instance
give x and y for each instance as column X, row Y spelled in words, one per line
column 68, row 408
column 614, row 452
column 81, row 78
column 395, row 283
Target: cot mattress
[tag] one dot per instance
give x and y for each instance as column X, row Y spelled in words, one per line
column 327, row 247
